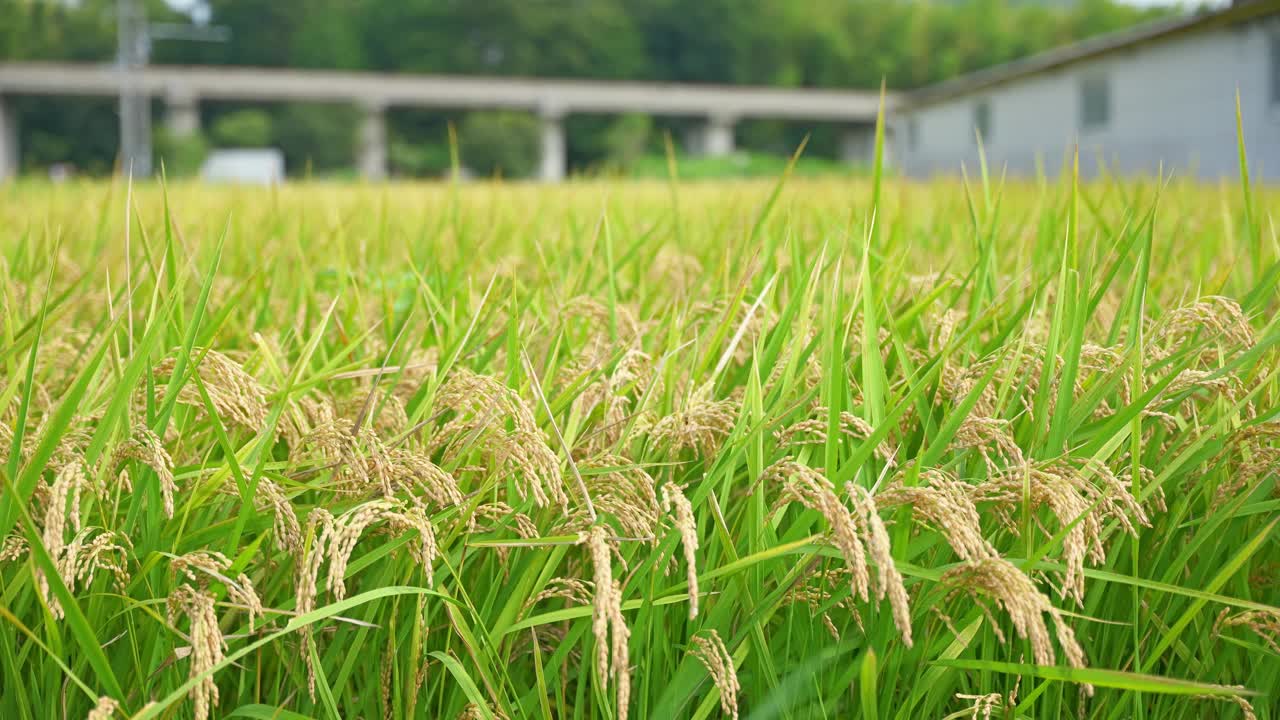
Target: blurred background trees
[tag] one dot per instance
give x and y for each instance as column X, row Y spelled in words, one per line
column 816, row 43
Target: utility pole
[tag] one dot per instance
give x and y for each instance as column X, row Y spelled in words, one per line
column 133, row 42
column 135, row 103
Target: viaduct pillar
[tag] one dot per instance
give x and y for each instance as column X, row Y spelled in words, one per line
column 714, row 138
column 182, row 113
column 717, row 139
column 8, row 141
column 551, row 167
column 371, row 143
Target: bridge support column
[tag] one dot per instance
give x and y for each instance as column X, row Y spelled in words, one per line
column 717, row 140
column 371, row 145
column 8, row 141
column 714, row 139
column 551, row 168
column 182, row 113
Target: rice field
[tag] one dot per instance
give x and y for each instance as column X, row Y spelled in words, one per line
column 793, row 449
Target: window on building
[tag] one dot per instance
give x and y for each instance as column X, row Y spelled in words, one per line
column 982, row 120
column 1095, row 102
column 1275, row 68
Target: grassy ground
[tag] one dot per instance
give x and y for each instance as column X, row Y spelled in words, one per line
column 828, row 449
column 741, row 164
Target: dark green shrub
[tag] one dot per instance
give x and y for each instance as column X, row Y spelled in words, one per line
column 316, row 136
column 243, row 129
column 181, row 155
column 500, row 143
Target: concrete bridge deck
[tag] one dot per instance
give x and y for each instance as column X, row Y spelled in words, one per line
column 183, row 87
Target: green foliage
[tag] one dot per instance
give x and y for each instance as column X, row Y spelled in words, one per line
column 248, row 128
column 817, row 43
column 82, row 131
column 182, row 156
column 316, row 136
column 57, row 31
column 324, row 37
column 627, row 139
column 500, row 143
column 595, row 38
column 418, row 160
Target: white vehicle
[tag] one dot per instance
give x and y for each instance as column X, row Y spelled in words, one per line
column 257, row 166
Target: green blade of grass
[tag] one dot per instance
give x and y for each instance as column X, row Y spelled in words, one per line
column 1117, row 679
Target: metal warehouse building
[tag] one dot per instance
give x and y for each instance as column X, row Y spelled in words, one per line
column 1160, row 93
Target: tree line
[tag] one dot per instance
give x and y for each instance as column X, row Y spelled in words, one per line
column 814, row 43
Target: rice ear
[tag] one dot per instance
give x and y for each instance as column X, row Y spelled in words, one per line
column 811, row 489
column 207, row 643
column 674, row 501
column 1011, row 589
column 235, row 394
column 105, row 709
column 710, row 650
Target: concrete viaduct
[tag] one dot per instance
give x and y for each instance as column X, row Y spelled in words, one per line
column 183, row 88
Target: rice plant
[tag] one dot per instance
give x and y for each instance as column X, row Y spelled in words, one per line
column 812, row 448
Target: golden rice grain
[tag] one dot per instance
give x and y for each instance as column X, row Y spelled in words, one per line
column 145, row 447
column 624, row 491
column 473, row 712
column 674, row 501
column 287, row 531
column 602, row 567
column 888, row 579
column 207, row 644
column 1000, row 581
column 482, row 407
column 105, row 709
column 1215, row 317
column 815, row 592
column 621, row 655
column 1247, row 711
column 1263, row 623
column 710, row 650
column 808, row 487
column 571, row 590
column 61, row 506
column 13, row 548
column 236, row 395
column 814, row 431
column 92, row 550
column 701, row 425
column 991, row 438
column 674, row 269
column 502, row 513
column 202, row 565
column 983, row 705
column 1081, row 498
column 335, row 539
column 942, row 503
